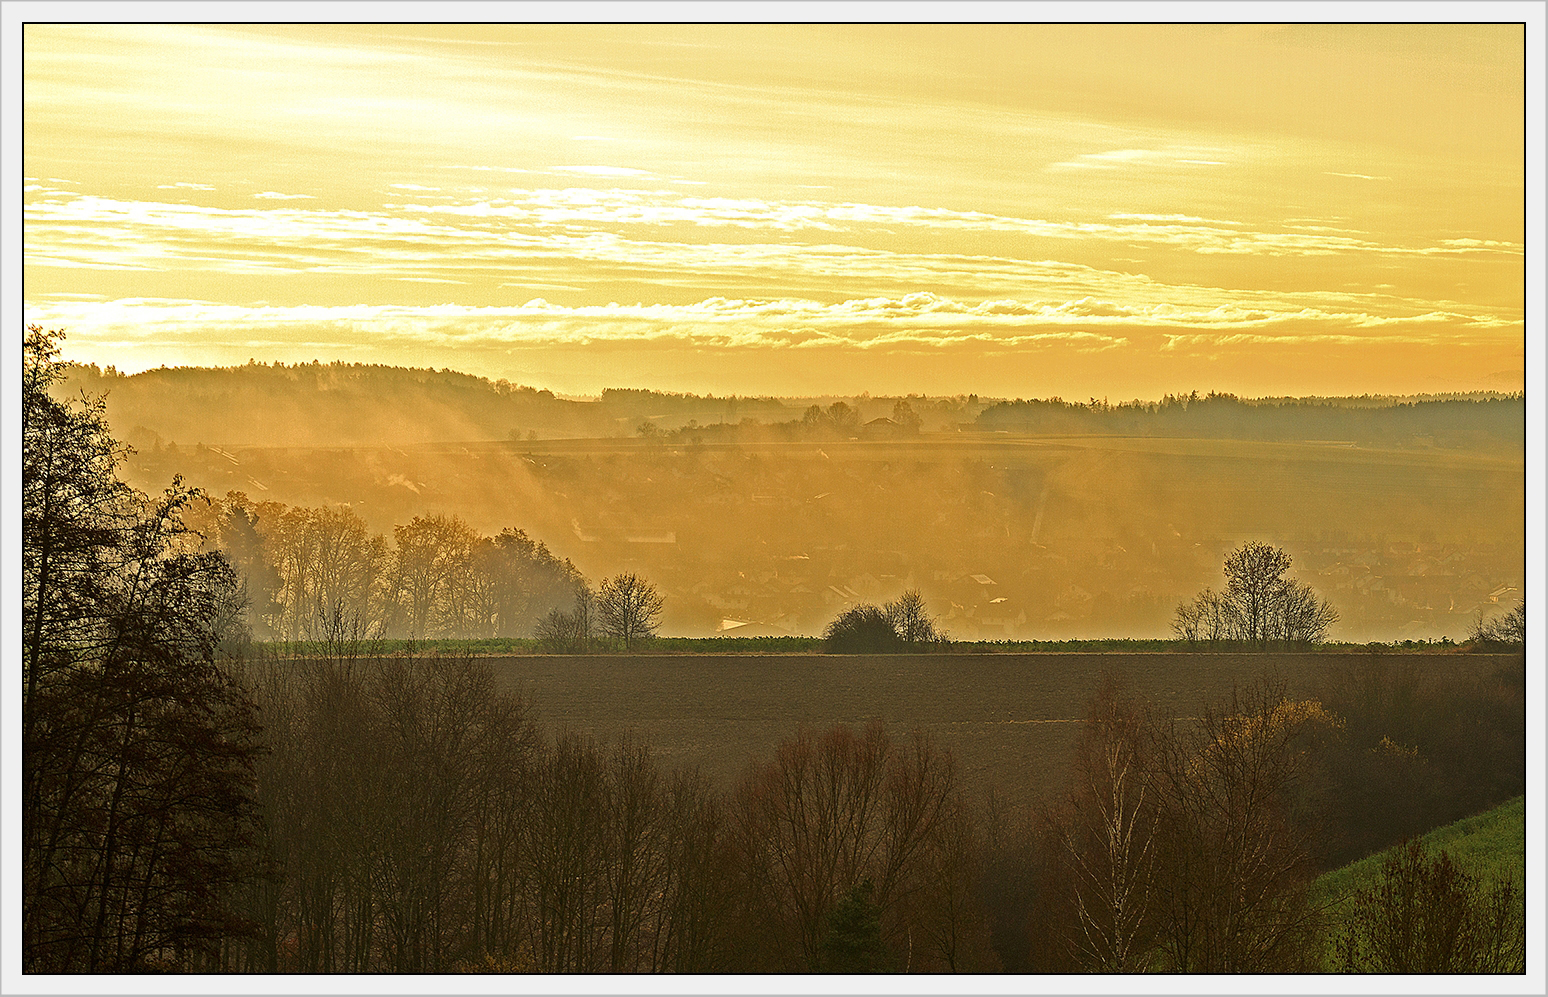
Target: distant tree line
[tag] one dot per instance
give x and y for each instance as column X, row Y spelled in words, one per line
column 330, row 403
column 1456, row 421
column 437, row 579
column 350, row 403
column 335, row 403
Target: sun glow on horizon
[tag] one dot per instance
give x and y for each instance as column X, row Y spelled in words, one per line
column 1103, row 210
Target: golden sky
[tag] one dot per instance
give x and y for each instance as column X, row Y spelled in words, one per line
column 1113, row 211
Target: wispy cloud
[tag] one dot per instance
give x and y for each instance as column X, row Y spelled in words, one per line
column 918, row 320
column 588, row 224
column 1183, row 219
column 574, row 239
column 1115, row 159
column 274, row 195
column 664, row 208
column 603, row 171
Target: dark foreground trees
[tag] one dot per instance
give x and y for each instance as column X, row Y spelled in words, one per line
column 417, row 820
column 1184, row 846
column 137, row 744
column 1260, row 607
column 855, row 850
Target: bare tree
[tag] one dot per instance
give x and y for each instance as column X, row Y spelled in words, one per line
column 628, row 608
column 1110, row 841
column 691, row 935
column 635, row 856
column 1232, row 862
column 564, row 841
column 1259, row 605
column 1508, row 629
column 430, row 567
column 830, row 812
column 1301, row 617
column 911, row 620
column 1254, row 573
column 570, row 632
column 1207, row 618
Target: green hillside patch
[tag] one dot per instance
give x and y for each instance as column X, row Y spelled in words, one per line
column 1490, row 846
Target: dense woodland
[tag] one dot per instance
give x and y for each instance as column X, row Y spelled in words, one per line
column 194, row 802
column 358, row 404
column 1444, row 422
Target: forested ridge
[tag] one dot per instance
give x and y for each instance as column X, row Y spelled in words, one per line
column 345, row 404
column 1445, row 421
column 193, row 802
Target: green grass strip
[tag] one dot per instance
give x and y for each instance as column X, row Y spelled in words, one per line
column 1490, row 846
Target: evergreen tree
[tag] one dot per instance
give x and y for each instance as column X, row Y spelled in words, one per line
column 853, row 943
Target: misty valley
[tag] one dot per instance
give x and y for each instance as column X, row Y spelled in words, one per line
column 1016, row 520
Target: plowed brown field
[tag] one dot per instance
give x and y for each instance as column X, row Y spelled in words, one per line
column 1009, row 719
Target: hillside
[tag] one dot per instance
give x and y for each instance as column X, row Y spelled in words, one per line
column 1490, row 846
column 1407, row 515
column 340, row 404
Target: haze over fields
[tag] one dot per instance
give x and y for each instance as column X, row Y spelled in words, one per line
column 759, row 516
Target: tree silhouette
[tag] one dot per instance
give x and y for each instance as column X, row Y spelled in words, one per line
column 137, row 743
column 911, row 620
column 901, row 625
column 628, row 608
column 1259, row 606
column 1504, row 631
column 861, row 630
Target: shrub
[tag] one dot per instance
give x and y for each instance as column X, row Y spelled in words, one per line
column 861, row 630
column 1428, row 916
column 903, row 624
column 1501, row 632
